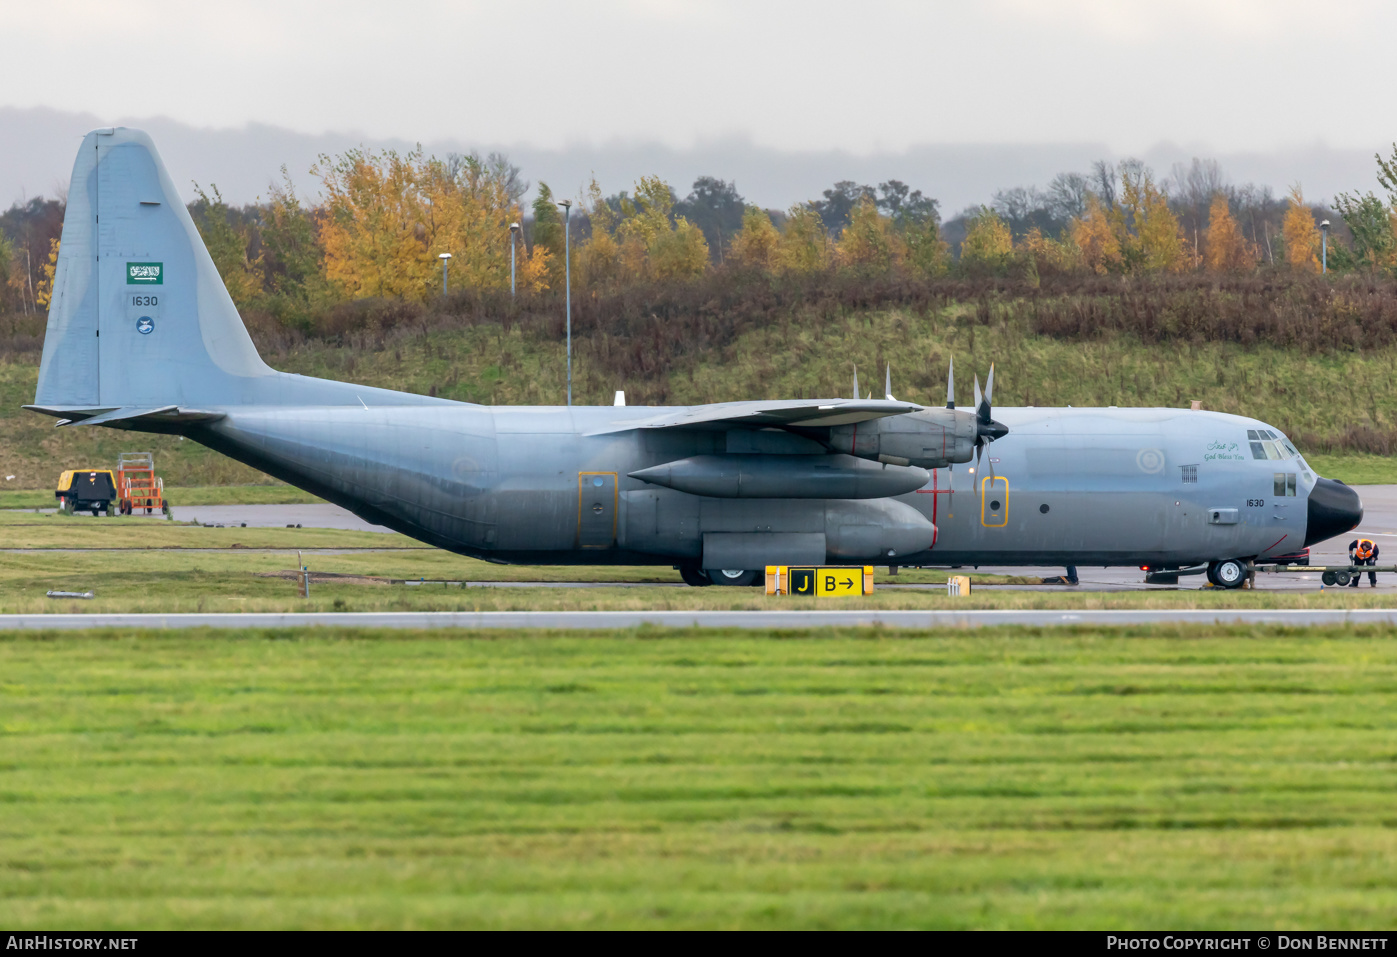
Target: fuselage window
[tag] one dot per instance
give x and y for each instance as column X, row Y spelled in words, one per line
column 1290, row 484
column 1190, row 474
column 1284, row 484
column 1257, row 452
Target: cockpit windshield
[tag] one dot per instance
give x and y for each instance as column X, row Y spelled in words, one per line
column 1267, row 444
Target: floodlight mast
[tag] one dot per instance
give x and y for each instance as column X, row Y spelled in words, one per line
column 513, row 242
column 567, row 285
column 445, row 258
column 1324, row 246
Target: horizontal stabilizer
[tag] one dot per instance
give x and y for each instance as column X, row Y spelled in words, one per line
column 88, row 416
column 768, row 414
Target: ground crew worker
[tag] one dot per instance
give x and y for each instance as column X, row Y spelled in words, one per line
column 1363, row 551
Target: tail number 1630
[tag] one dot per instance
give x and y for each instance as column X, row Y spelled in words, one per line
column 145, row 300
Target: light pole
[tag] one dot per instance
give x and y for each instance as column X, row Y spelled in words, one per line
column 513, row 242
column 445, row 258
column 567, row 259
column 1324, row 246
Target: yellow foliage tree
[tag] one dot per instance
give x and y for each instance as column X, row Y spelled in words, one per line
column 868, row 244
column 680, row 253
column 598, row 259
column 1096, row 239
column 1225, row 249
column 44, row 294
column 988, row 243
column 1301, row 236
column 1157, row 245
column 757, row 241
column 651, row 242
column 388, row 217
column 1052, row 255
column 804, row 245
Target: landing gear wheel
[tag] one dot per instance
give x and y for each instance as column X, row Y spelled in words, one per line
column 1228, row 574
column 1342, row 578
column 733, row 576
column 1330, row 578
column 694, row 576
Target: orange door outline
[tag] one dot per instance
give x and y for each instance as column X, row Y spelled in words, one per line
column 993, row 484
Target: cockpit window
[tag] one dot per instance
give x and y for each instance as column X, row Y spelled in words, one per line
column 1268, row 445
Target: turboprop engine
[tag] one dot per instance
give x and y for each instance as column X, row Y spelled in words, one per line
column 930, row 439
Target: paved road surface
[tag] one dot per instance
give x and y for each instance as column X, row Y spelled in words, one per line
column 323, row 515
column 614, row 620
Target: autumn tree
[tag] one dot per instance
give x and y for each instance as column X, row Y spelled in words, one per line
column 374, row 234
column 1155, row 245
column 653, row 242
column 598, row 259
column 757, row 241
column 43, row 295
column 1096, row 236
column 868, row 244
column 804, row 246
column 1049, row 255
column 1225, row 249
column 988, row 244
column 1301, row 236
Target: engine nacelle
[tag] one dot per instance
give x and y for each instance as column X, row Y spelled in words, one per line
column 930, row 439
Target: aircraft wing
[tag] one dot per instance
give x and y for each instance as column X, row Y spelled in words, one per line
column 768, row 414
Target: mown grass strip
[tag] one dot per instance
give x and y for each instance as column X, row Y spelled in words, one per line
column 1163, row 777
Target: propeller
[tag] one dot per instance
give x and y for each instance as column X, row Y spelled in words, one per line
column 888, row 385
column 987, row 429
column 857, row 394
column 951, row 385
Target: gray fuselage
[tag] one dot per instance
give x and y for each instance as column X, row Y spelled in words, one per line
column 531, row 485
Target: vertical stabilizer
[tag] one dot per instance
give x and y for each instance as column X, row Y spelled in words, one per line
column 140, row 316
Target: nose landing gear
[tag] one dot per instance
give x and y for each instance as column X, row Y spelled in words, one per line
column 1230, row 573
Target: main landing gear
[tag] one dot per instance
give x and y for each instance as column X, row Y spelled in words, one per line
column 698, row 577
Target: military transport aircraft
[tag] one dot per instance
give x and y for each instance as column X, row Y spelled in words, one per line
column 142, row 335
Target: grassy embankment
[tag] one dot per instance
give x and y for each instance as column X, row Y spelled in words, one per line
column 1163, row 778
column 796, row 351
column 136, row 564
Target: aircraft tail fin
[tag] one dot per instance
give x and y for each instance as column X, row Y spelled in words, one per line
column 140, row 319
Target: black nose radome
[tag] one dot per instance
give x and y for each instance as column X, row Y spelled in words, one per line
column 1334, row 509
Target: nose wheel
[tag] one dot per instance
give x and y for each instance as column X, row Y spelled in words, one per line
column 1228, row 574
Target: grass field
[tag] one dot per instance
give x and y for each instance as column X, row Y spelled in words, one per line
column 1146, row 778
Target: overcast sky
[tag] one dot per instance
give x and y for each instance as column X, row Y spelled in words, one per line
column 866, row 78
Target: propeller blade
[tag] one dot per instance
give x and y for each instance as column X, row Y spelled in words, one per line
column 951, row 385
column 888, row 385
column 979, row 398
column 989, row 386
column 857, row 393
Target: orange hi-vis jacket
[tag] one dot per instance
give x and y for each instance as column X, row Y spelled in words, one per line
column 1365, row 549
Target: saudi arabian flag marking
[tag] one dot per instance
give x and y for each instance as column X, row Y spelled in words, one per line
column 145, row 274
